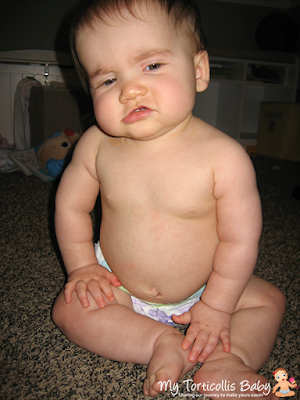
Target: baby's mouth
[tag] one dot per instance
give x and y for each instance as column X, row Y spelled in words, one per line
column 137, row 114
column 139, row 109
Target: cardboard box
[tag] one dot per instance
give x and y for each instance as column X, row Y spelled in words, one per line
column 279, row 131
column 53, row 109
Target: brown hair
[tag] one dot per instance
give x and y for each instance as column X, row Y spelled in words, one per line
column 279, row 369
column 184, row 14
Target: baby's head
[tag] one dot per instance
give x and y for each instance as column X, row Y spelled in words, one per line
column 280, row 374
column 184, row 15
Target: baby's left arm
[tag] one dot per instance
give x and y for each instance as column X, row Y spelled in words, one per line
column 239, row 224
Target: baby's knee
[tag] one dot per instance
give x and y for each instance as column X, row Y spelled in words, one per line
column 261, row 293
column 60, row 313
column 274, row 298
column 71, row 318
column 67, row 317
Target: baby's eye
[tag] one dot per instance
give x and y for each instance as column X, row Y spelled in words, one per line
column 153, row 67
column 109, row 82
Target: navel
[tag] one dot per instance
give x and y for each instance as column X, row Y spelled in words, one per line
column 154, row 292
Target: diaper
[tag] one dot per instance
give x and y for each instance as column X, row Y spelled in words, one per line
column 284, row 391
column 158, row 312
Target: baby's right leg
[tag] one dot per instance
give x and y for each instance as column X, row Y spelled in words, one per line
column 118, row 333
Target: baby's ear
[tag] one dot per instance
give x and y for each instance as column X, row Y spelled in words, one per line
column 202, row 70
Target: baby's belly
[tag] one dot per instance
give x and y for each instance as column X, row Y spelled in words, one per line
column 160, row 261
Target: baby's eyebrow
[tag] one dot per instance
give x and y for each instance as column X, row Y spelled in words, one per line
column 150, row 53
column 95, row 73
column 138, row 58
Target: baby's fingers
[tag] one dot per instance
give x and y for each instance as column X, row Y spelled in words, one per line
column 81, row 290
column 182, row 319
column 209, row 347
column 225, row 339
column 69, row 289
column 113, row 280
column 106, row 288
column 100, row 291
column 198, row 346
column 96, row 292
column 190, row 336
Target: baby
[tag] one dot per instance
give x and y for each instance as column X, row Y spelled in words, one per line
column 283, row 384
column 181, row 215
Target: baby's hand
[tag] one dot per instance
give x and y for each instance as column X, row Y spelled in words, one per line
column 207, row 326
column 94, row 279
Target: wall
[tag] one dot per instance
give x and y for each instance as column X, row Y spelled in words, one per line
column 296, row 16
column 36, row 24
column 234, row 25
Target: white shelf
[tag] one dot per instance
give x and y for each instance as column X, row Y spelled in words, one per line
column 284, row 4
column 238, row 87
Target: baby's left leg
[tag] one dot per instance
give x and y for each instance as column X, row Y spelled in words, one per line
column 254, row 328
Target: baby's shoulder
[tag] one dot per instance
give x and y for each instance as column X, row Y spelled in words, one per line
column 215, row 142
column 93, row 135
column 87, row 148
column 89, row 143
column 222, row 152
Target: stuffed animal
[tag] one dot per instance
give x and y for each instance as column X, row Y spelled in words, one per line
column 51, row 154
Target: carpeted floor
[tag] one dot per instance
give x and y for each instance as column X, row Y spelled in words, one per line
column 38, row 362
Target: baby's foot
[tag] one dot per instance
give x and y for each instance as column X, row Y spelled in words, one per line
column 167, row 365
column 228, row 376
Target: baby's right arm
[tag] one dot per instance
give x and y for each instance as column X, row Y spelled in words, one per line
column 75, row 199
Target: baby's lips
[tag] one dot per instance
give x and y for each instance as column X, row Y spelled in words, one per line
column 137, row 114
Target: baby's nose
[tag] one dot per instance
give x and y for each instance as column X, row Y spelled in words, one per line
column 131, row 90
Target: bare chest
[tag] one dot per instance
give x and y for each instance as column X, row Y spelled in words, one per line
column 179, row 184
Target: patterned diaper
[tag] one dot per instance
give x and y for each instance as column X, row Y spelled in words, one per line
column 158, row 312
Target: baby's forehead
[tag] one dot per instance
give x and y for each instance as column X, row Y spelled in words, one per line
column 152, row 20
column 281, row 371
column 141, row 11
column 184, row 21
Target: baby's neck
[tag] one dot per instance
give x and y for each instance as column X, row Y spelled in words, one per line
column 164, row 141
